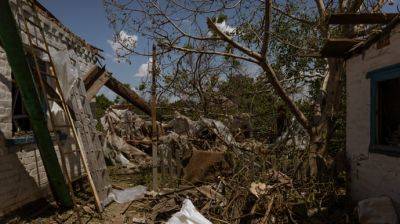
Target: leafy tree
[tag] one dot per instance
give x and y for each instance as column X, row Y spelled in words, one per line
column 101, row 105
column 280, row 38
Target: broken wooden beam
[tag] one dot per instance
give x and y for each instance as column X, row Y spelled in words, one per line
column 128, row 94
column 356, row 18
column 100, row 81
column 97, row 77
column 374, row 38
column 92, row 75
column 338, row 47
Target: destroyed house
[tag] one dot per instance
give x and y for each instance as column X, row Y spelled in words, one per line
column 373, row 106
column 22, row 175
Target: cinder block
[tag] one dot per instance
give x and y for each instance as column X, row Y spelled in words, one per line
column 23, row 172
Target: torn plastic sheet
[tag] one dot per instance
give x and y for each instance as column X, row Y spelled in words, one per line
column 127, row 195
column 66, row 72
column 219, row 129
column 119, row 144
column 122, row 159
column 58, row 115
column 188, row 215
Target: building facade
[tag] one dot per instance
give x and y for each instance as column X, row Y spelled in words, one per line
column 373, row 117
column 22, row 175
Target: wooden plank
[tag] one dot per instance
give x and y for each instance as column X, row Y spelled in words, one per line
column 118, row 88
column 356, row 18
column 373, row 38
column 98, row 83
column 92, row 75
column 94, row 69
column 128, row 94
column 338, row 47
column 89, row 143
column 154, row 136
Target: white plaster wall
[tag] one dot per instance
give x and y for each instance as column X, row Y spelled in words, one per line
column 372, row 174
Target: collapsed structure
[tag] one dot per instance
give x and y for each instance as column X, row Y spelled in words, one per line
column 195, row 152
column 59, row 60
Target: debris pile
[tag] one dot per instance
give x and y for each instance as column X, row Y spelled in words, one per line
column 233, row 180
column 217, row 178
column 121, row 126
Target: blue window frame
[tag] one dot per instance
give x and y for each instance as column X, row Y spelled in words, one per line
column 385, row 111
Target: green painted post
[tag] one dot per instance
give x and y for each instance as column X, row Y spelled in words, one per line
column 13, row 46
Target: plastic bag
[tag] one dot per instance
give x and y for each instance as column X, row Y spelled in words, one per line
column 127, row 195
column 188, row 215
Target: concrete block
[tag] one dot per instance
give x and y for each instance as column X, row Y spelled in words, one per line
column 23, row 172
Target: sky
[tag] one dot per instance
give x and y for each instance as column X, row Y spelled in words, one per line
column 87, row 19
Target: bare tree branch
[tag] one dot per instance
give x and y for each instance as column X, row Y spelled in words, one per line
column 293, row 17
column 233, row 43
column 272, row 78
column 192, row 50
column 321, row 8
column 267, row 23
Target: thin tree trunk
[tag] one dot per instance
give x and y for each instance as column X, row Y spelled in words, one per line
column 325, row 115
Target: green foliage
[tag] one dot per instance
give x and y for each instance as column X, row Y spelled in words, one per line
column 101, row 105
column 219, row 18
column 142, row 86
column 252, row 96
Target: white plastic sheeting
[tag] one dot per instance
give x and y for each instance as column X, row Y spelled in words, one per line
column 188, row 215
column 122, row 159
column 127, row 195
column 67, row 73
column 58, row 115
column 219, row 129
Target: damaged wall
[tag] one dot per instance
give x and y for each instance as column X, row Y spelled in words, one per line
column 22, row 175
column 372, row 174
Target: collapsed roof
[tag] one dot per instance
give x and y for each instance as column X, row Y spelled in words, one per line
column 348, row 47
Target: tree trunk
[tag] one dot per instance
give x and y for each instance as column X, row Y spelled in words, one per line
column 317, row 150
column 325, row 116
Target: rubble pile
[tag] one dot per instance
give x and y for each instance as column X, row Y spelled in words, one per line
column 232, row 180
column 120, row 126
column 218, row 178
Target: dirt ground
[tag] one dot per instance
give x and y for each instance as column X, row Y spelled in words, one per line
column 46, row 212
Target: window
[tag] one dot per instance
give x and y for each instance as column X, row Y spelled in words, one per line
column 385, row 110
column 20, row 120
